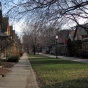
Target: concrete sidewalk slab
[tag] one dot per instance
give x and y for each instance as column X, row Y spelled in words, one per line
column 82, row 60
column 21, row 75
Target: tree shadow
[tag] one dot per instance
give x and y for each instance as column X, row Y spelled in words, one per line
column 52, row 61
column 76, row 83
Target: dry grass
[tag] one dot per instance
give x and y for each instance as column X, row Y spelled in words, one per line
column 5, row 67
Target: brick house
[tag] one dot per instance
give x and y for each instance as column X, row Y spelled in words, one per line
column 81, row 33
column 63, row 36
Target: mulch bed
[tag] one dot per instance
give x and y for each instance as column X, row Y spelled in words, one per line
column 5, row 67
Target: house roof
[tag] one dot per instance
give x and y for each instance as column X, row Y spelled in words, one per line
column 83, row 29
column 65, row 33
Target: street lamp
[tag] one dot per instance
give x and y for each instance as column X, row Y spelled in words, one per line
column 56, row 45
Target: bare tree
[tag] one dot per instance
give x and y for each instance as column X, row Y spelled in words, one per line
column 44, row 10
column 36, row 35
column 46, row 13
column 31, row 36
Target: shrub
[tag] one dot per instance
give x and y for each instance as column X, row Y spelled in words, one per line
column 74, row 48
column 84, row 54
column 13, row 59
column 21, row 54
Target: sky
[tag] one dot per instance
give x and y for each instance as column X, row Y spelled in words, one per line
column 81, row 21
column 17, row 26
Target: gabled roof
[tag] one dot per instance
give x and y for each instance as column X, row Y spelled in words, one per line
column 83, row 29
column 65, row 33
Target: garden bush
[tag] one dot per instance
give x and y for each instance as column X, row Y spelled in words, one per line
column 21, row 54
column 84, row 54
column 13, row 59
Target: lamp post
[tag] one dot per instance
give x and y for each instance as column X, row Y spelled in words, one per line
column 56, row 45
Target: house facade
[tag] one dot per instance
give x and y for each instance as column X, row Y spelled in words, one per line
column 63, row 36
column 82, row 34
column 62, row 40
column 12, row 45
column 14, row 48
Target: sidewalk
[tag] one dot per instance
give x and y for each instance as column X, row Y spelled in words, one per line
column 82, row 60
column 21, row 75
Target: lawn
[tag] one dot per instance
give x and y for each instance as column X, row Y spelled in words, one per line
column 59, row 73
column 35, row 56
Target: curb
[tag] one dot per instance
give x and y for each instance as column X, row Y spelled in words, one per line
column 33, row 78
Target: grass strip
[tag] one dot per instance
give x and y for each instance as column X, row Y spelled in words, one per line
column 59, row 73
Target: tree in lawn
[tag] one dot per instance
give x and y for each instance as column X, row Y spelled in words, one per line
column 31, row 37
column 69, row 47
column 47, row 10
column 35, row 35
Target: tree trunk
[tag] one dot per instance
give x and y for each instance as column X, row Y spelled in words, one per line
column 34, row 50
